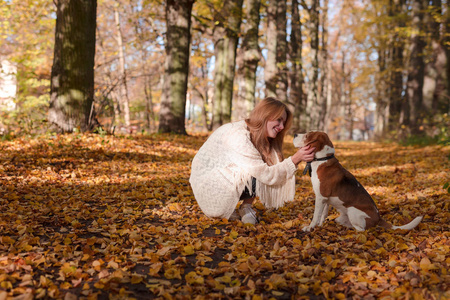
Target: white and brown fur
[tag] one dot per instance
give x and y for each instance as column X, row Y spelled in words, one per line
column 334, row 185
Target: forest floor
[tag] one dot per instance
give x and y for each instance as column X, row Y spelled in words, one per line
column 104, row 217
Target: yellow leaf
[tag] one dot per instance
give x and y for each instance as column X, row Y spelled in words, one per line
column 65, row 285
column 113, row 264
column 288, row 224
column 188, row 250
column 234, row 234
column 193, row 278
column 371, row 274
column 164, row 250
column 348, row 276
column 155, row 268
column 135, row 279
column 172, row 273
column 224, row 279
column 7, row 240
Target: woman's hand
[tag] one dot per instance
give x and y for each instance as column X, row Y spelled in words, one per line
column 303, row 154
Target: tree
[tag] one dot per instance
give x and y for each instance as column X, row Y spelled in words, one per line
column 416, row 66
column 124, row 101
column 72, row 77
column 251, row 54
column 270, row 66
column 281, row 52
column 178, row 39
column 435, row 92
column 275, row 69
column 296, row 99
column 314, row 102
column 396, row 47
column 226, row 38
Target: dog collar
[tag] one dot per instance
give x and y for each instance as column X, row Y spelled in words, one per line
column 308, row 168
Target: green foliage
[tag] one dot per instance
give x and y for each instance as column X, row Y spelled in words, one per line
column 419, row 140
column 447, row 187
column 28, row 119
column 436, row 132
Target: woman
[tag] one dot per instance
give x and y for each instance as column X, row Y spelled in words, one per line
column 244, row 159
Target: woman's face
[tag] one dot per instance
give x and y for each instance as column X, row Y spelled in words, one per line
column 275, row 126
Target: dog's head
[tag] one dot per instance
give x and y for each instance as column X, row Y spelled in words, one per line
column 316, row 139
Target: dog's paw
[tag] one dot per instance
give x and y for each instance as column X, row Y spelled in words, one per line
column 307, row 228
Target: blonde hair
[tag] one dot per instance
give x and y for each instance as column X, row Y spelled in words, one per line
column 267, row 110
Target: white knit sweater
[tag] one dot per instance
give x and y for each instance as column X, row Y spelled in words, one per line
column 224, row 166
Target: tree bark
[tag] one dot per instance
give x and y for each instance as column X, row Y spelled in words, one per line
column 282, row 71
column 416, row 68
column 72, row 77
column 434, row 90
column 124, row 101
column 251, row 55
column 446, row 41
column 226, row 37
column 323, row 96
column 295, row 102
column 275, row 71
column 314, row 105
column 396, row 49
column 178, row 38
column 270, row 68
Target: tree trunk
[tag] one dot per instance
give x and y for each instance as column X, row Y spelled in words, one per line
column 149, row 115
column 226, row 37
column 178, row 38
column 275, row 71
column 446, row 41
column 251, row 55
column 434, row 88
column 295, row 101
column 123, row 99
column 416, row 68
column 315, row 106
column 323, row 113
column 282, row 71
column 396, row 66
column 270, row 68
column 72, row 77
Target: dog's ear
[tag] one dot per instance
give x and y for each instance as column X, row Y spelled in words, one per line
column 325, row 140
column 318, row 140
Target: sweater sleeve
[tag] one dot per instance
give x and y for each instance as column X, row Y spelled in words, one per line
column 244, row 154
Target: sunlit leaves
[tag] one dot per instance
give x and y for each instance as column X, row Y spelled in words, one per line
column 99, row 216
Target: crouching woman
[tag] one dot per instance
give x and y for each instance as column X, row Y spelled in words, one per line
column 243, row 160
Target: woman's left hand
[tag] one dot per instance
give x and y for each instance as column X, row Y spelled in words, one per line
column 303, row 154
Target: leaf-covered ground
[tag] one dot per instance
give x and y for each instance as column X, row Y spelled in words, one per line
column 102, row 217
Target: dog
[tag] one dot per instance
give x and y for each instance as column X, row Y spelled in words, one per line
column 334, row 185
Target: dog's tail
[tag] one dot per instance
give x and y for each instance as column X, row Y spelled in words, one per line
column 408, row 226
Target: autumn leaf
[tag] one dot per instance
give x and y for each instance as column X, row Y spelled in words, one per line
column 127, row 226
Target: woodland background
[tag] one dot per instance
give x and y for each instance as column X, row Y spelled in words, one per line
column 358, row 69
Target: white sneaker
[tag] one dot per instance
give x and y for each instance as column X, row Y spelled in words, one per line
column 248, row 215
column 234, row 216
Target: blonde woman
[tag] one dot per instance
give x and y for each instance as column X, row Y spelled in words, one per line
column 244, row 160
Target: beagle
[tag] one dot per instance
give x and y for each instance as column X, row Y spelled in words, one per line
column 334, row 185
